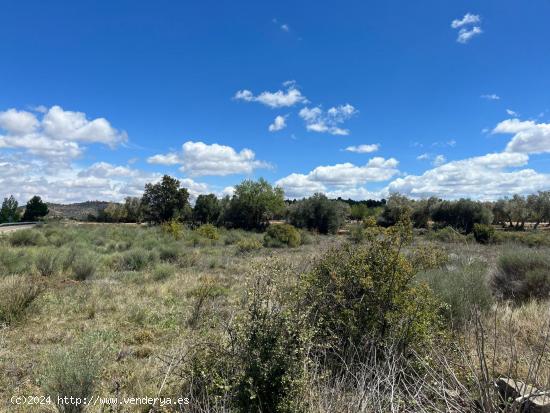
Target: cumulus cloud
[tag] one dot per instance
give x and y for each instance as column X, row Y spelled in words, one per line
column 199, row 159
column 367, row 148
column 483, row 177
column 468, row 18
column 55, row 133
column 465, row 35
column 328, row 121
column 278, row 124
column 342, row 178
column 529, row 136
column 468, row 28
column 423, row 157
column 439, row 160
column 278, row 99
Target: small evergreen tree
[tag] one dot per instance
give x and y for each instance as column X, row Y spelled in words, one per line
column 8, row 212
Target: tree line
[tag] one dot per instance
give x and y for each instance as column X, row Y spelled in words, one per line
column 255, row 203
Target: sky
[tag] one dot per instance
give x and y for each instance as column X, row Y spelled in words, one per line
column 356, row 99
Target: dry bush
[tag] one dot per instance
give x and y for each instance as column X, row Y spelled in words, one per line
column 16, row 294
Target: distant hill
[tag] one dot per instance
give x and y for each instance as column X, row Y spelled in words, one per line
column 79, row 211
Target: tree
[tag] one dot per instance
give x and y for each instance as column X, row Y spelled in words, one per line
column 134, row 210
column 254, row 204
column 35, row 209
column 398, row 208
column 539, row 207
column 207, row 209
column 8, row 212
column 165, row 201
column 517, row 211
column 115, row 212
column 461, row 214
column 319, row 213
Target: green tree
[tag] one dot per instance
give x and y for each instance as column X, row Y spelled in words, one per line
column 134, row 210
column 397, row 209
column 35, row 209
column 254, row 204
column 8, row 212
column 207, row 209
column 539, row 207
column 319, row 213
column 165, row 200
column 461, row 214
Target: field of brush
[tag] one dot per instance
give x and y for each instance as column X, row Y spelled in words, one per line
column 132, row 298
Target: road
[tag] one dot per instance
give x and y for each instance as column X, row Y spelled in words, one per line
column 15, row 228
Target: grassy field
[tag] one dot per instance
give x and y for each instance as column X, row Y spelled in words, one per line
column 121, row 302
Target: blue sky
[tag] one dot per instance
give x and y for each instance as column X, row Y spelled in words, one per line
column 429, row 98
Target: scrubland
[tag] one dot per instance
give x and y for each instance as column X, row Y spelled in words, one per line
column 378, row 320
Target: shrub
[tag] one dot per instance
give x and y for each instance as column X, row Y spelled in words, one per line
column 27, row 237
column 16, row 294
column 282, row 235
column 263, row 367
column 162, row 272
column 484, row 234
column 135, row 259
column 83, row 268
column 447, row 234
column 362, row 295
column 208, row 290
column 398, row 208
column 169, row 252
column 173, row 228
column 522, row 274
column 357, row 234
column 248, row 244
column 71, row 372
column 232, row 237
column 208, row 231
column 463, row 287
column 46, row 263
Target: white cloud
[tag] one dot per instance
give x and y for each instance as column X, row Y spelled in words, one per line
column 318, row 120
column 342, row 178
column 491, row 96
column 469, row 28
column 278, row 124
column 483, row 177
column 285, row 27
column 289, row 97
column 199, row 159
column 368, row 148
column 439, row 160
column 511, row 112
column 468, row 18
column 57, row 135
column 423, row 157
column 529, row 136
column 465, row 35
column 166, row 159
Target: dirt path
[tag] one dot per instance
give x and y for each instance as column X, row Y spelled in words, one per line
column 10, row 228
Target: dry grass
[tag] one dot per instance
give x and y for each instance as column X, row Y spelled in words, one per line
column 144, row 310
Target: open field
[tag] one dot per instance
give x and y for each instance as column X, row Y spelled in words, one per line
column 136, row 299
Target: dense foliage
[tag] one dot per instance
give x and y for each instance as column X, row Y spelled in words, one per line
column 318, row 213
column 8, row 211
column 282, row 235
column 35, row 209
column 165, row 200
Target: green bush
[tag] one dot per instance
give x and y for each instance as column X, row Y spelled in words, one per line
column 173, row 228
column 447, row 234
column 233, row 236
column 46, row 263
column 16, row 294
column 282, row 235
column 248, row 244
column 463, row 286
column 364, row 294
column 27, row 237
column 135, row 259
column 71, row 372
column 318, row 213
column 163, row 271
column 522, row 274
column 208, row 231
column 264, row 356
column 83, row 268
column 484, row 234
column 169, row 252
